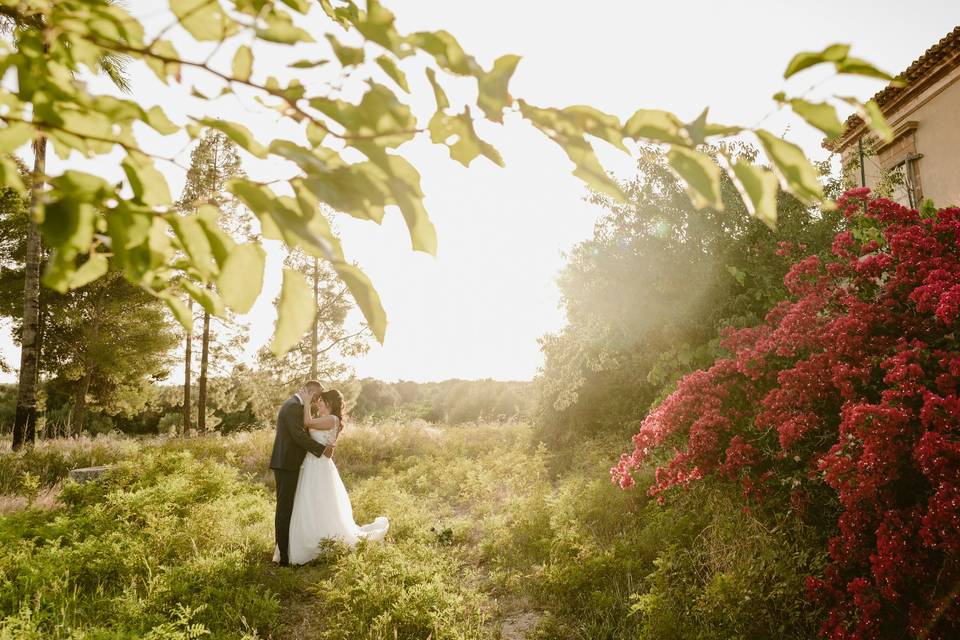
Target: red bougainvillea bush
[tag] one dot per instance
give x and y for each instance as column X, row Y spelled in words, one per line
column 845, row 401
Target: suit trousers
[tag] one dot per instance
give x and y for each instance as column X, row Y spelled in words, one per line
column 286, row 491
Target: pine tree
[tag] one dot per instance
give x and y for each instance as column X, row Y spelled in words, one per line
column 88, row 342
column 213, row 163
column 99, row 350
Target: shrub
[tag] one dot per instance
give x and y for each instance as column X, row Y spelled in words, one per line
column 139, row 553
column 842, row 410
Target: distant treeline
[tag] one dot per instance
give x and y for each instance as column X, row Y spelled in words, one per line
column 449, row 402
column 249, row 399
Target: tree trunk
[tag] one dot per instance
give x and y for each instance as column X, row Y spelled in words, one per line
column 187, row 363
column 79, row 410
column 25, row 423
column 46, row 431
column 202, row 389
column 316, row 319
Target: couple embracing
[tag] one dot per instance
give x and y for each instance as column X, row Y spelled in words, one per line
column 312, row 503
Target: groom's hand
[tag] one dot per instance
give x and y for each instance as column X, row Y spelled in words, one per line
column 328, row 451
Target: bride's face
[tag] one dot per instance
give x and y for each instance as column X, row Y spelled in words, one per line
column 321, row 407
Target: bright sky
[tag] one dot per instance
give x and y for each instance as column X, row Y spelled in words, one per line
column 477, row 309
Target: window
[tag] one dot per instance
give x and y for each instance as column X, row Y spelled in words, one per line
column 905, row 182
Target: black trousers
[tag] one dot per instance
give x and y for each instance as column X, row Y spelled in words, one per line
column 286, row 490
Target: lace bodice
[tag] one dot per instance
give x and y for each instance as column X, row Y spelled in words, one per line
column 325, row 436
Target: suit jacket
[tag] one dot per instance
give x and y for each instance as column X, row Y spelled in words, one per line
column 292, row 441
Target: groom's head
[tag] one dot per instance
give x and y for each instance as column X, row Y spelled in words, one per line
column 313, row 386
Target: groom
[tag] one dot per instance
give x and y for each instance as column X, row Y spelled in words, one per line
column 290, row 445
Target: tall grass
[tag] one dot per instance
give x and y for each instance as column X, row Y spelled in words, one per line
column 175, row 542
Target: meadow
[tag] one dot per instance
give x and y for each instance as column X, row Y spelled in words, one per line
column 491, row 537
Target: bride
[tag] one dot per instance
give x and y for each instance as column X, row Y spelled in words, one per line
column 321, row 508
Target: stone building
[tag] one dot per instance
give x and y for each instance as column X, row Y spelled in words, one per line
column 924, row 113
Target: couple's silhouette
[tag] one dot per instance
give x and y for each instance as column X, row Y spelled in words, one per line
column 312, row 503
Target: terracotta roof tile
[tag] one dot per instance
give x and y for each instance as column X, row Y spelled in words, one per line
column 948, row 46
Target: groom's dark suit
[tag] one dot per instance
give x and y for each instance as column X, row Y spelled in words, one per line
column 290, row 445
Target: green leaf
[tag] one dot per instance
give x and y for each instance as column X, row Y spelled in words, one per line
column 242, row 63
column 132, row 240
column 797, row 174
column 596, row 123
column 300, row 6
column 713, row 129
column 158, row 120
column 466, row 144
column 379, row 115
column 366, row 297
column 10, row 175
column 239, row 134
column 588, row 168
column 280, row 28
column 315, row 134
column 348, row 56
column 377, row 26
column 89, row 271
column 241, row 277
column 159, row 243
column 194, row 242
column 361, row 190
column 438, row 92
column 204, row 19
column 654, row 125
column 14, row 136
column 207, row 298
column 221, row 244
column 758, row 188
column 403, row 182
column 163, row 68
column 447, row 52
column 821, row 115
column 494, row 95
column 876, row 121
column 566, row 128
column 60, row 269
column 278, row 217
column 82, row 186
column 389, row 66
column 859, row 67
column 180, row 310
column 308, row 64
column 295, row 312
column 68, row 223
column 701, row 175
column 805, row 59
column 696, row 129
column 196, row 93
column 148, row 184
column 871, row 115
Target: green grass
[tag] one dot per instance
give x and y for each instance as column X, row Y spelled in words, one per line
column 485, row 542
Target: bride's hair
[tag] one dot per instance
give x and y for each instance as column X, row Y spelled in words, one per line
column 334, row 400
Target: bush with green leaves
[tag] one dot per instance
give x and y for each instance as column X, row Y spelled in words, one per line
column 648, row 295
column 126, row 553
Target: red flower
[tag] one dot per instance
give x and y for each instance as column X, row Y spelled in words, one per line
column 851, row 384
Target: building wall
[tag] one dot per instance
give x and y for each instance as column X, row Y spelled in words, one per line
column 938, row 140
column 928, row 124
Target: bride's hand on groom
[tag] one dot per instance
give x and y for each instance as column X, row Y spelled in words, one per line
column 328, row 451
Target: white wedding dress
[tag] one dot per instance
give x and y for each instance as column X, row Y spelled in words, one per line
column 322, row 509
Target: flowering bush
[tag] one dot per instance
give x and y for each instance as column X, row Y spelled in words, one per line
column 843, row 406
